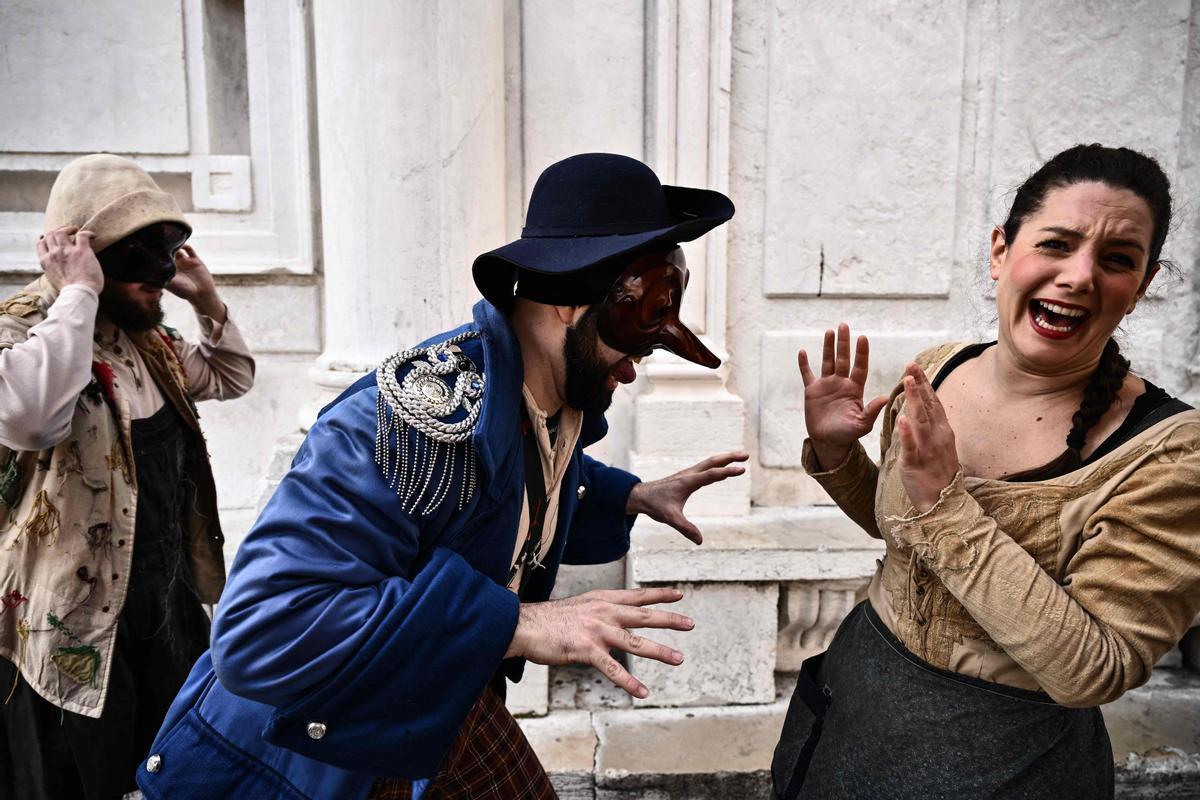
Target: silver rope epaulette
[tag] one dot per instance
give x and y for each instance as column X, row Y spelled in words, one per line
column 419, row 453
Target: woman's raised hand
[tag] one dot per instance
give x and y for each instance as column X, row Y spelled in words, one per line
column 928, row 454
column 834, row 412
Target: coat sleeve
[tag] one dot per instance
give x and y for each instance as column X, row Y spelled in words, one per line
column 600, row 528
column 41, row 377
column 850, row 484
column 333, row 614
column 219, row 366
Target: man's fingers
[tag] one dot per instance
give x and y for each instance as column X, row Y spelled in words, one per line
column 684, row 526
column 712, row 475
column 613, row 670
column 718, row 460
column 841, row 365
column 806, row 373
column 646, row 596
column 84, row 238
column 635, row 617
column 639, row 645
column 862, row 360
column 42, row 248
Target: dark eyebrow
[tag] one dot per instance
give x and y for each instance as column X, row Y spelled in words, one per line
column 1074, row 234
column 1071, row 232
column 1130, row 243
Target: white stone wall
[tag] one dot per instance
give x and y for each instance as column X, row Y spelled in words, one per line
column 342, row 165
column 878, row 147
column 212, row 98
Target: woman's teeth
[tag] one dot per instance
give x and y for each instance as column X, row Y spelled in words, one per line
column 1057, row 309
column 1041, row 321
column 1053, row 317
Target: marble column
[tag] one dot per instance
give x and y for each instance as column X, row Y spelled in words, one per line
column 411, row 132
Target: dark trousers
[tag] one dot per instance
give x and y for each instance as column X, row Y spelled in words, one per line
column 48, row 753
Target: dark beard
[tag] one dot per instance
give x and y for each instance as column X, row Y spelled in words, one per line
column 587, row 376
column 126, row 315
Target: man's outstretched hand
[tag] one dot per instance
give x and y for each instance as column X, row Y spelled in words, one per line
column 663, row 499
column 583, row 629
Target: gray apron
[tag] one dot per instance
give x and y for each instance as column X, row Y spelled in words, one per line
column 871, row 720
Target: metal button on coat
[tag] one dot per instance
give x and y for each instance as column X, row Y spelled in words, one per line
column 581, row 492
column 154, row 763
column 316, row 730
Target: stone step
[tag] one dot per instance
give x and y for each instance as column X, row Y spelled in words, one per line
column 1162, row 716
column 816, row 543
column 1155, row 732
column 660, row 753
column 286, row 448
column 1163, row 776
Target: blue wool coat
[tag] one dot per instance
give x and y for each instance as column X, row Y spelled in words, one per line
column 381, row 625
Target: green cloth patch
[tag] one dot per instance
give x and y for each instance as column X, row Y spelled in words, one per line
column 78, row 663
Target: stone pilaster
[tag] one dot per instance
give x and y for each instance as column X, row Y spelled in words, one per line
column 411, row 125
column 688, row 412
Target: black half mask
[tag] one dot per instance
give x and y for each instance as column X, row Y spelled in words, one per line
column 144, row 256
column 641, row 312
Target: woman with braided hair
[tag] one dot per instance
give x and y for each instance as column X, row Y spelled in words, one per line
column 1025, row 582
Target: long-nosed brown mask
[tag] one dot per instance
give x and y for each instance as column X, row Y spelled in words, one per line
column 641, row 311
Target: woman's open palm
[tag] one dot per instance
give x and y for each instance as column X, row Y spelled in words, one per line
column 834, row 412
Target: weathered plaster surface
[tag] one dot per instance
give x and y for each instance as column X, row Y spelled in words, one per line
column 869, row 150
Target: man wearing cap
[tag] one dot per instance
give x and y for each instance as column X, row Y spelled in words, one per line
column 109, row 538
column 403, row 567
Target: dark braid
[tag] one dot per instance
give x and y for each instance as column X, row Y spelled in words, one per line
column 1098, row 396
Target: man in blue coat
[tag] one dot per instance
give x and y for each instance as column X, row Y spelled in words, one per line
column 404, row 565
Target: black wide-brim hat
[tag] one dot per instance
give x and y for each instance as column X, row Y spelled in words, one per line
column 588, row 216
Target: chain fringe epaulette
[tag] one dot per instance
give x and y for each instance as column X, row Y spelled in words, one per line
column 419, row 453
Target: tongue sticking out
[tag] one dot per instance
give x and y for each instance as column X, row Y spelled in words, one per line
column 623, row 371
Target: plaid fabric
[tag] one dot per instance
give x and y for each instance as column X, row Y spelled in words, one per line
column 490, row 760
